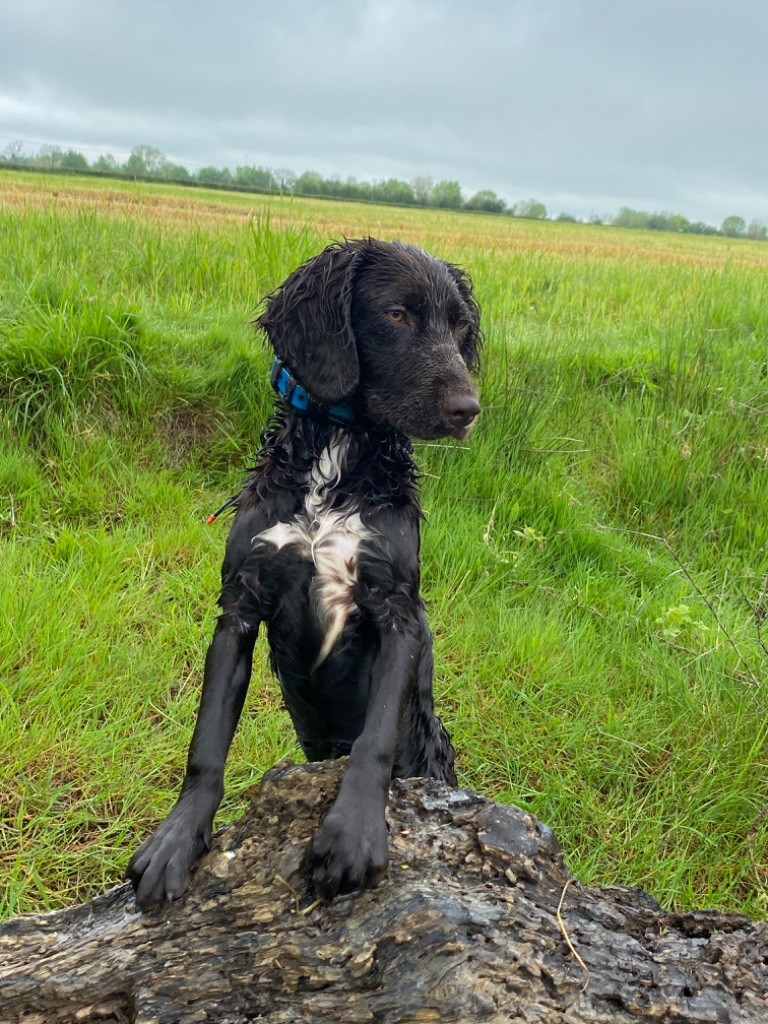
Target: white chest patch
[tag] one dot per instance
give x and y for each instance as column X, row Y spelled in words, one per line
column 330, row 537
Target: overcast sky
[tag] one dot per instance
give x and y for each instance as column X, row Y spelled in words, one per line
column 587, row 105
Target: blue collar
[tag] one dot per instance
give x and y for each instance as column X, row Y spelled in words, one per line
column 300, row 400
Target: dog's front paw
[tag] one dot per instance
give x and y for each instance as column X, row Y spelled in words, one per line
column 161, row 867
column 349, row 851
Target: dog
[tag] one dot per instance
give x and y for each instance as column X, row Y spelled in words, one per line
column 375, row 343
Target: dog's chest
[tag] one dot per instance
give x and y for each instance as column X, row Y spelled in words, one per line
column 330, row 538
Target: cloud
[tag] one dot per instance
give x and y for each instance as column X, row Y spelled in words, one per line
column 660, row 106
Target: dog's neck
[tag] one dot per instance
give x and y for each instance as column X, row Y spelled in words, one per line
column 378, row 465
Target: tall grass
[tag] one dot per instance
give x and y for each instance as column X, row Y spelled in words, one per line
column 594, row 558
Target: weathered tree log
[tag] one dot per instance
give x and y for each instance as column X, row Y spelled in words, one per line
column 465, row 928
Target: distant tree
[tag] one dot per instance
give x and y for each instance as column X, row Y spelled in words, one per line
column 677, row 222
column 733, row 227
column 394, row 191
column 530, row 208
column 106, row 164
column 447, row 195
column 334, row 186
column 175, row 172
column 629, row 218
column 700, row 228
column 135, row 166
column 757, row 231
column 486, row 201
column 310, row 183
column 13, row 151
column 254, row 177
column 667, row 222
column 145, row 160
column 73, row 161
column 214, row 176
column 597, row 219
column 354, row 189
column 285, row 179
column 49, row 156
column 567, row 218
column 422, row 190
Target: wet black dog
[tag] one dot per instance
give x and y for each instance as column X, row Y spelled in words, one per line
column 375, row 343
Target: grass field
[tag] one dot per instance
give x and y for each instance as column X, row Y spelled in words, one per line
column 595, row 558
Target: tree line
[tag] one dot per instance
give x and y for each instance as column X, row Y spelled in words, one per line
column 149, row 162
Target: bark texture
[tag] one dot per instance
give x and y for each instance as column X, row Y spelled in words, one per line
column 465, row 928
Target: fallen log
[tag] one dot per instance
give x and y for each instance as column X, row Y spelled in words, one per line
column 478, row 920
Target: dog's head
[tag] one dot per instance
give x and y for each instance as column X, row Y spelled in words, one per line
column 387, row 327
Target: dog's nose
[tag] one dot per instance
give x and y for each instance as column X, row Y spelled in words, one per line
column 461, row 409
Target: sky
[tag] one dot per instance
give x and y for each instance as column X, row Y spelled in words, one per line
column 586, row 105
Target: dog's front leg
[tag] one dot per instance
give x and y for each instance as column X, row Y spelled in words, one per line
column 161, row 866
column 350, row 849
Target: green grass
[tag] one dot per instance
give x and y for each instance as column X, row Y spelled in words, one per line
column 595, row 557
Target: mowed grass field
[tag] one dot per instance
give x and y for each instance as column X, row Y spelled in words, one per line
column 595, row 556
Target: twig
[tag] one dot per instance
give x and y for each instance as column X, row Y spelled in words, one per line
column 445, row 447
column 558, row 451
column 298, row 909
column 566, row 936
column 489, row 525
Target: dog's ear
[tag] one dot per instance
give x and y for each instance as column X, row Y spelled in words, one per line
column 308, row 321
column 473, row 339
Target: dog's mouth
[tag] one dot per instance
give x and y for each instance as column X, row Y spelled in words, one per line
column 458, row 425
column 462, row 433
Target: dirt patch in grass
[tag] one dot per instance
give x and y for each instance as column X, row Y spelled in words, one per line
column 186, row 432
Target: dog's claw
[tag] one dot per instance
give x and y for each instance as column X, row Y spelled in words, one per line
column 160, row 869
column 349, row 852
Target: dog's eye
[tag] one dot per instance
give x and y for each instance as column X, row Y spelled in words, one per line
column 397, row 314
column 462, row 326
